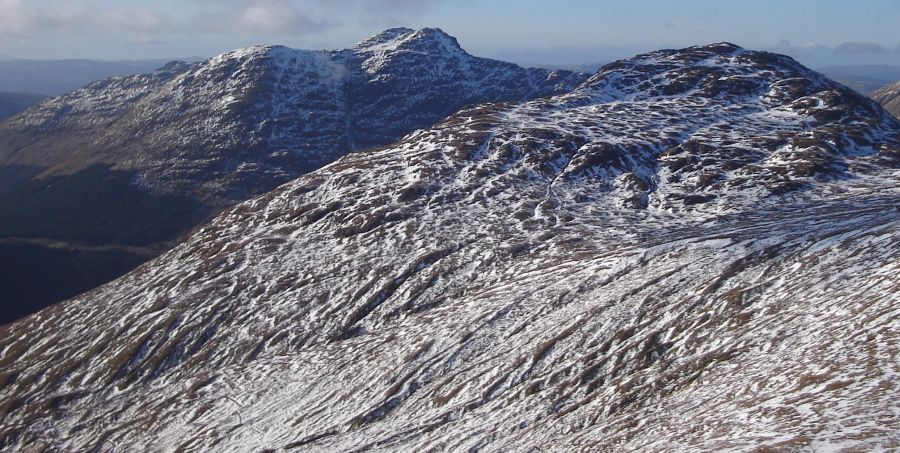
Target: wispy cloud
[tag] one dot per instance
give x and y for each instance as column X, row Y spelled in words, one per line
column 406, row 7
column 22, row 19
column 27, row 20
column 375, row 12
column 277, row 17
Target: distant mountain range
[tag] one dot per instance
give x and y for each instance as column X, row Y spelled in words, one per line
column 55, row 77
column 692, row 250
column 864, row 78
column 138, row 161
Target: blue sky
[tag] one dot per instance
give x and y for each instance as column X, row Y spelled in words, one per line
column 563, row 31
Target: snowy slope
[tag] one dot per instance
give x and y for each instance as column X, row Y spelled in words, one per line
column 889, row 98
column 696, row 250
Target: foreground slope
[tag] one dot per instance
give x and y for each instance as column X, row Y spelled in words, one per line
column 695, row 250
column 141, row 160
column 889, row 98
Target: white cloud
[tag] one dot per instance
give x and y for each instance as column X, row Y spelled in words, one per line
column 22, row 19
column 406, row 7
column 16, row 18
column 19, row 19
column 280, row 17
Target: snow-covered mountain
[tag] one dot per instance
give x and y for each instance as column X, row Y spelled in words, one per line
column 889, row 98
column 695, row 250
column 245, row 121
column 139, row 161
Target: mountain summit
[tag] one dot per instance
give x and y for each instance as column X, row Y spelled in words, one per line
column 425, row 38
column 248, row 120
column 695, row 250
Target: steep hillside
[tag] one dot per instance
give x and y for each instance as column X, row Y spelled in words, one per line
column 889, row 98
column 696, row 250
column 141, row 160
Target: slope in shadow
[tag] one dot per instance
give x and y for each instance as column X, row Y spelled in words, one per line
column 34, row 276
column 64, row 218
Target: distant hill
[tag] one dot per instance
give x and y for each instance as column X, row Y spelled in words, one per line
column 55, row 77
column 576, row 67
column 889, row 98
column 12, row 103
column 865, row 79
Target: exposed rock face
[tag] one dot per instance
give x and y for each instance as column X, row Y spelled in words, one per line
column 697, row 249
column 889, row 98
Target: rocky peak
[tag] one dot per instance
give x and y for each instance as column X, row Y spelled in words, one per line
column 721, row 47
column 721, row 71
column 431, row 43
column 384, row 37
column 436, row 36
column 406, row 38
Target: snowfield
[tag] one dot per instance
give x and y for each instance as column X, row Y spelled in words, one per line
column 695, row 250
